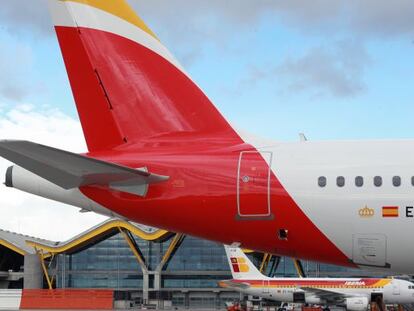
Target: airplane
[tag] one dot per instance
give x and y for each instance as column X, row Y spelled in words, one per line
column 161, row 154
column 353, row 293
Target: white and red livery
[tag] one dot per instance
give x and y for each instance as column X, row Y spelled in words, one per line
column 353, row 293
column 161, row 154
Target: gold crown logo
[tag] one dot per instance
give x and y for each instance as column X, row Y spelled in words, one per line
column 366, row 212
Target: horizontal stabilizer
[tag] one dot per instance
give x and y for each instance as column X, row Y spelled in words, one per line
column 69, row 170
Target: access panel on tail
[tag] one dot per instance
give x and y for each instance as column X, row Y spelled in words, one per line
column 126, row 84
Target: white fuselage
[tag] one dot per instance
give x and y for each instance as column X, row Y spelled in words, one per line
column 367, row 238
column 392, row 291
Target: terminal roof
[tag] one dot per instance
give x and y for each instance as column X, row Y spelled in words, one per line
column 17, row 242
column 98, row 233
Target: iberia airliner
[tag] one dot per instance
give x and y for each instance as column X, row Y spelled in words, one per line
column 353, row 293
column 161, row 154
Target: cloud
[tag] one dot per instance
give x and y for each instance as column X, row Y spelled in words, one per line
column 382, row 17
column 195, row 21
column 189, row 24
column 15, row 62
column 324, row 71
column 370, row 17
column 336, row 71
column 22, row 16
column 189, row 27
column 27, row 213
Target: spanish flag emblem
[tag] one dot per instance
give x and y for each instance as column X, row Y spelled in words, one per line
column 390, row 211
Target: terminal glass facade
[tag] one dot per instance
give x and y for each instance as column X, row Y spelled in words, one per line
column 110, row 263
column 106, row 264
column 188, row 278
column 195, row 263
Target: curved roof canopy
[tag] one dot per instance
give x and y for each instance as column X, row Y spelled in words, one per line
column 24, row 244
column 98, row 233
column 17, row 242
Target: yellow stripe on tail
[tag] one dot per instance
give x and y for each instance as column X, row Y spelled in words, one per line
column 119, row 8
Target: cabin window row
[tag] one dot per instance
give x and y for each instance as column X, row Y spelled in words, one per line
column 359, row 181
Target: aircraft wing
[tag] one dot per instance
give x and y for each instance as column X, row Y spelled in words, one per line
column 231, row 284
column 70, row 170
column 326, row 295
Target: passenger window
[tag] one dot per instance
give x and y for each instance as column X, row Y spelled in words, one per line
column 396, row 181
column 412, row 180
column 359, row 181
column 377, row 181
column 322, row 181
column 340, row 181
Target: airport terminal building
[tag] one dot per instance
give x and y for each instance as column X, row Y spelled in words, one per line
column 142, row 264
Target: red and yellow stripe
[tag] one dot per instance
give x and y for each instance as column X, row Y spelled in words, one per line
column 344, row 284
column 119, row 8
column 239, row 264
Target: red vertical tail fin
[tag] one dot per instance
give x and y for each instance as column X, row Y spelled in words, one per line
column 126, row 84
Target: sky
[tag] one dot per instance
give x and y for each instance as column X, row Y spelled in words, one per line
column 331, row 69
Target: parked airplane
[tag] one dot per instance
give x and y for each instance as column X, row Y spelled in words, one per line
column 353, row 293
column 161, row 154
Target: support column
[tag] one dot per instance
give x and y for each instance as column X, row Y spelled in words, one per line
column 187, row 300
column 299, row 268
column 157, row 280
column 265, row 262
column 176, row 241
column 217, row 301
column 135, row 250
column 145, row 286
column 33, row 278
column 49, row 280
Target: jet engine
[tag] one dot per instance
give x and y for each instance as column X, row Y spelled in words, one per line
column 19, row 178
column 313, row 300
column 357, row 303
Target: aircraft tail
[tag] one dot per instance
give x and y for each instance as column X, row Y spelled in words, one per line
column 126, row 84
column 240, row 265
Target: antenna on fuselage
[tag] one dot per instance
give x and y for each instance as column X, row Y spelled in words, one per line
column 302, row 137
